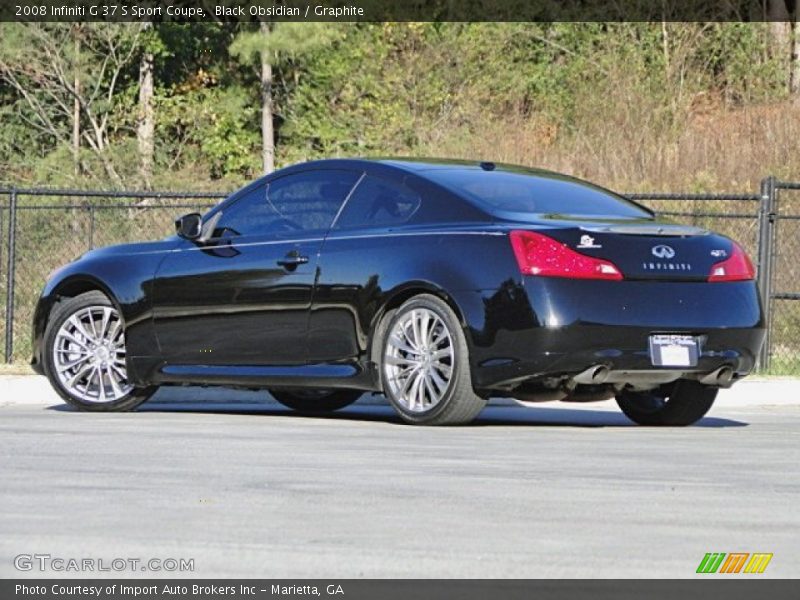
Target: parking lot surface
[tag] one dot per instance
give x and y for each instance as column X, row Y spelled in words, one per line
column 245, row 488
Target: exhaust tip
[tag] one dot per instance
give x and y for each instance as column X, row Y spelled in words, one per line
column 600, row 374
column 722, row 377
column 725, row 376
column 593, row 375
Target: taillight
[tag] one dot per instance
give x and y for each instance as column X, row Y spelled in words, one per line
column 737, row 267
column 540, row 255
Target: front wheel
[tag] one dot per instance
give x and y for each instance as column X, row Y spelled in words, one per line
column 84, row 356
column 685, row 403
column 316, row 401
column 425, row 364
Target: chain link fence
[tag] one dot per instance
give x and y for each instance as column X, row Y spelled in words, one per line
column 784, row 288
column 42, row 229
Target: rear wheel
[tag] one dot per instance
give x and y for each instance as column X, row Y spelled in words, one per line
column 316, row 401
column 84, row 355
column 425, row 365
column 685, row 403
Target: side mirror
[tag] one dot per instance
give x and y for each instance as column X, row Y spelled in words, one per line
column 189, row 226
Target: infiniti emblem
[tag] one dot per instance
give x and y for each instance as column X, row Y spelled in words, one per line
column 662, row 251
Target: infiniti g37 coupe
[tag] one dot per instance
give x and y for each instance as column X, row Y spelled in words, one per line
column 438, row 283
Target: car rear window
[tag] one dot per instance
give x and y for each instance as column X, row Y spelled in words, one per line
column 518, row 194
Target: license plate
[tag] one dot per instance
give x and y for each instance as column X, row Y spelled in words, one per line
column 674, row 350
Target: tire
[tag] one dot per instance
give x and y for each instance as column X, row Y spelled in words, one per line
column 86, row 367
column 316, row 401
column 425, row 368
column 686, row 403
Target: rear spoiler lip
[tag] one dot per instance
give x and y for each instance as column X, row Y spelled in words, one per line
column 655, row 229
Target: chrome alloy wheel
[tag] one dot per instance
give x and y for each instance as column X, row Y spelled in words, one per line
column 419, row 358
column 89, row 355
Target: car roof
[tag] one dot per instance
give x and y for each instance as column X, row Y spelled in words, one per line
column 421, row 169
column 419, row 166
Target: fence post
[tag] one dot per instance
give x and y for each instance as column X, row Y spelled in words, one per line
column 3, row 249
column 766, row 243
column 91, row 227
column 12, row 251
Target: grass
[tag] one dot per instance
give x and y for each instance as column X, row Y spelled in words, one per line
column 19, row 368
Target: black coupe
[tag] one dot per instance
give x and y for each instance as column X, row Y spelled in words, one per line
column 438, row 283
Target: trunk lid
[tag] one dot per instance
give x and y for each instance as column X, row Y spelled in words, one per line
column 650, row 250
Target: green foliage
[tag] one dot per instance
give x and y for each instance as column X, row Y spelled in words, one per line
column 229, row 144
column 285, row 41
column 614, row 101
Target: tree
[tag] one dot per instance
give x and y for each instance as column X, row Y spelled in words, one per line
column 267, row 130
column 39, row 61
column 794, row 77
column 272, row 46
column 146, row 123
column 76, row 105
column 784, row 43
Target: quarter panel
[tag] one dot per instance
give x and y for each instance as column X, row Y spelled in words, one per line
column 360, row 273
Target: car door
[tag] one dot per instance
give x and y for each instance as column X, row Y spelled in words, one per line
column 243, row 296
column 359, row 258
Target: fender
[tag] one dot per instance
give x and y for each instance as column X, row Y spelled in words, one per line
column 126, row 281
column 67, row 281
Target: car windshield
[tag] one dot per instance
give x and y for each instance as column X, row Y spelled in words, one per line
column 515, row 195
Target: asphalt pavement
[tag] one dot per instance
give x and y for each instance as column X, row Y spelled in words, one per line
column 245, row 488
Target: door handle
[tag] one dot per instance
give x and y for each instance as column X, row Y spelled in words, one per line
column 291, row 260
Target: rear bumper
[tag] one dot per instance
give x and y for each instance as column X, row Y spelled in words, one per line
column 546, row 326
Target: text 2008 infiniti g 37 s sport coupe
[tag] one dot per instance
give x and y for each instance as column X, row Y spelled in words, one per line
column 438, row 283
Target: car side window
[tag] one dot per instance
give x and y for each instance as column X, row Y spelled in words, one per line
column 242, row 217
column 302, row 202
column 378, row 202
